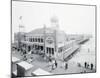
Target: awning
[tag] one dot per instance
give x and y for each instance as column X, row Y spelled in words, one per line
column 25, row 65
column 40, row 71
column 14, row 59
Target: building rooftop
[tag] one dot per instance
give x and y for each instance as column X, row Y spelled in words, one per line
column 60, row 35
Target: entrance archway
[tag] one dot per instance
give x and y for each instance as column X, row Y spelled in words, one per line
column 29, row 48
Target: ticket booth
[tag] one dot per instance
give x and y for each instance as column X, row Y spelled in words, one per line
column 14, row 74
column 15, row 60
column 22, row 68
column 14, row 67
column 39, row 72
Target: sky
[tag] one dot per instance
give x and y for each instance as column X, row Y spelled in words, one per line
column 73, row 19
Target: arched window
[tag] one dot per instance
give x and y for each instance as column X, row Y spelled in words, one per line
column 41, row 47
column 33, row 39
column 38, row 39
column 52, row 51
column 41, row 40
column 47, row 49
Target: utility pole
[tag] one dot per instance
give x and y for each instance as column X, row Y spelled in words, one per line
column 44, row 39
column 19, row 34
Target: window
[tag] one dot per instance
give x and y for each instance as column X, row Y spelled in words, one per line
column 29, row 39
column 53, row 51
column 41, row 47
column 33, row 39
column 47, row 49
column 38, row 39
column 41, row 40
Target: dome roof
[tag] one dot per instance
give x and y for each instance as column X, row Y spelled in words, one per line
column 54, row 19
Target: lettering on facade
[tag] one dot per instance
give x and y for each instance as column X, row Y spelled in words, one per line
column 49, row 40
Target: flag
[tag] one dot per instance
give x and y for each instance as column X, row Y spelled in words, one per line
column 20, row 17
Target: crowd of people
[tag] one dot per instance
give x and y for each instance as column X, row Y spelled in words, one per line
column 53, row 64
column 86, row 65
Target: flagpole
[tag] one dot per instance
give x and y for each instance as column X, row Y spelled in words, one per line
column 44, row 41
column 44, row 38
column 19, row 35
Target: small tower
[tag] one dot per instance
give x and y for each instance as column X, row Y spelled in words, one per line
column 55, row 26
column 54, row 22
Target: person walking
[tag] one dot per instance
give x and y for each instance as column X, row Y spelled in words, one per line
column 91, row 66
column 50, row 61
column 66, row 66
column 55, row 64
column 85, row 64
column 52, row 66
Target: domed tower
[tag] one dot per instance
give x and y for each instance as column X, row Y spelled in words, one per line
column 55, row 22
